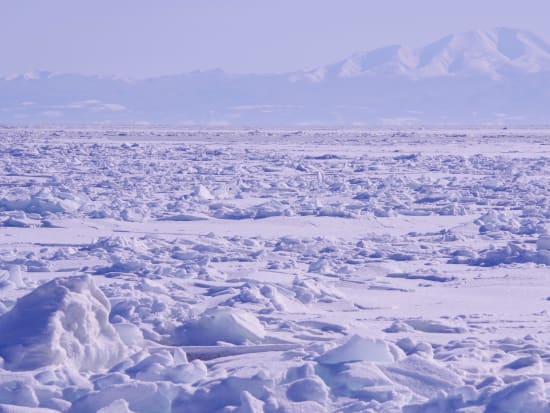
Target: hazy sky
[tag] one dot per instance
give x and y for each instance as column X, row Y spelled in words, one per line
column 141, row 38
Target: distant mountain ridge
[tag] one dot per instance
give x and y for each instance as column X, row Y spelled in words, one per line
column 495, row 53
column 497, row 76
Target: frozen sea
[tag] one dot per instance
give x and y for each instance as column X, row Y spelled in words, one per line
column 172, row 270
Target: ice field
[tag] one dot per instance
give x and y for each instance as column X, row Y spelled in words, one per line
column 233, row 270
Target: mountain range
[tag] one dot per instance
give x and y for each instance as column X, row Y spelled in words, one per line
column 497, row 76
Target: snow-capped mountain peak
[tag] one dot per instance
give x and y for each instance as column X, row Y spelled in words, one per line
column 397, row 59
column 493, row 53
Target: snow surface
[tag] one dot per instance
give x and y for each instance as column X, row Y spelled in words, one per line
column 165, row 270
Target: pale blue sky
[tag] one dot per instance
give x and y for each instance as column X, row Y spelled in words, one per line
column 139, row 38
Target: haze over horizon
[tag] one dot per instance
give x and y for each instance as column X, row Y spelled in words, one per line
column 305, row 63
column 133, row 39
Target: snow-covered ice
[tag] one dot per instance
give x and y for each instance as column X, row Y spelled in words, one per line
column 226, row 270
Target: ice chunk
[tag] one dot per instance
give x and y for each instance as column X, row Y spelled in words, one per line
column 510, row 254
column 250, row 404
column 203, row 193
column 309, row 388
column 12, row 278
column 167, row 367
column 17, row 223
column 527, row 396
column 44, row 201
column 18, row 392
column 228, row 325
column 424, row 377
column 118, row 406
column 10, row 408
column 227, row 392
column 63, row 321
column 140, row 397
column 532, row 362
column 129, row 333
column 186, row 372
column 16, row 276
column 398, row 326
column 435, row 326
column 321, row 266
column 119, row 243
column 133, row 214
column 310, row 290
column 543, row 243
column 359, row 349
column 354, row 378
